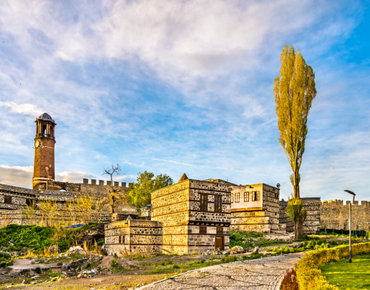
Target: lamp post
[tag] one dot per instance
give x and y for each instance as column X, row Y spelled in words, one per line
column 350, row 244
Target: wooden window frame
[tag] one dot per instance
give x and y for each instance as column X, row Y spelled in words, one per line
column 255, row 195
column 202, row 230
column 219, row 231
column 8, row 199
column 203, row 202
column 218, row 203
column 237, row 197
column 246, row 196
column 121, row 239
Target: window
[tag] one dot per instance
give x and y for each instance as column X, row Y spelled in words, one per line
column 246, row 196
column 237, row 197
column 218, row 203
column 232, row 197
column 220, row 231
column 203, row 202
column 255, row 196
column 252, row 214
column 121, row 239
column 203, row 230
column 44, row 130
column 8, row 199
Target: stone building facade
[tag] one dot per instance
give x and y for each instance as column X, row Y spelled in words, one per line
column 195, row 215
column 134, row 237
column 255, row 207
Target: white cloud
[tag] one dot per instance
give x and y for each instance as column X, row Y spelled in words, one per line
column 24, row 109
column 63, row 56
column 16, row 175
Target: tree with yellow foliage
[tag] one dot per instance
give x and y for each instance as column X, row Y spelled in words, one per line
column 294, row 92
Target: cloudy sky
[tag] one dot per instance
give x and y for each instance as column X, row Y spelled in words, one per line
column 184, row 86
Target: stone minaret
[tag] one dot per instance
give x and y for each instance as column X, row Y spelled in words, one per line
column 43, row 169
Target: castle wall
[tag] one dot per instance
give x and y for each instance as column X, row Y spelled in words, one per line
column 312, row 222
column 334, row 214
column 134, row 237
column 18, row 217
column 21, row 196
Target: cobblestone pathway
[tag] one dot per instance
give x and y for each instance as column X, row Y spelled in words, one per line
column 266, row 274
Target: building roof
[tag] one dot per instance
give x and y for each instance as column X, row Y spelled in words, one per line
column 46, row 117
column 183, row 177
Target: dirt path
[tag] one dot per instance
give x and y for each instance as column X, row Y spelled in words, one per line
column 25, row 264
column 263, row 274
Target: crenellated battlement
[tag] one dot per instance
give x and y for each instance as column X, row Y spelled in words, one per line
column 85, row 181
column 339, row 202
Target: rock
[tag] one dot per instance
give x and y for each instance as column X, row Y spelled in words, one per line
column 106, row 262
column 54, row 249
column 78, row 263
column 236, row 250
column 65, row 267
column 76, row 249
column 256, row 249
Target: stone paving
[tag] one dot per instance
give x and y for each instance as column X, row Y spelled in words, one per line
column 265, row 273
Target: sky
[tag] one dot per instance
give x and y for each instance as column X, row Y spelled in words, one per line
column 184, row 86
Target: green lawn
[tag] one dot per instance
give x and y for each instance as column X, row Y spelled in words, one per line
column 349, row 276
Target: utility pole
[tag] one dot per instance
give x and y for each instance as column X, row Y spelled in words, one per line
column 350, row 242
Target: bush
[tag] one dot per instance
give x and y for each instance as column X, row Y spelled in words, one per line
column 308, row 270
column 38, row 270
column 36, row 238
column 290, row 281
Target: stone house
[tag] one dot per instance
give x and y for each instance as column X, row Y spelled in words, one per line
column 133, row 237
column 195, row 215
column 255, row 207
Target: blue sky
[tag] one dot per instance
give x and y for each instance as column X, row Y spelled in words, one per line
column 184, row 86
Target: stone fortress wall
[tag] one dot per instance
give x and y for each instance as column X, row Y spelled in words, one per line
column 312, row 222
column 13, row 201
column 334, row 215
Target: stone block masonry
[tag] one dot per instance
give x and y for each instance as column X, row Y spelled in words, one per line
column 312, row 222
column 195, row 216
column 255, row 208
column 134, row 237
column 335, row 215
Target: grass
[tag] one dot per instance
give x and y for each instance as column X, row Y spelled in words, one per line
column 249, row 240
column 315, row 244
column 344, row 275
column 196, row 264
column 37, row 238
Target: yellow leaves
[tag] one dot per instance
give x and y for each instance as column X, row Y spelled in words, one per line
column 294, row 91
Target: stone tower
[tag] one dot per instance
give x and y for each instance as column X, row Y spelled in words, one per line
column 43, row 169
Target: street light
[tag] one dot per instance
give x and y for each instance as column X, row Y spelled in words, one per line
column 350, row 244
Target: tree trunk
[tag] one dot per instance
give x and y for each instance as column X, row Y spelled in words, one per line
column 298, row 228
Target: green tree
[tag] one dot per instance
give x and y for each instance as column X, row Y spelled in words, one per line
column 294, row 92
column 139, row 193
column 297, row 214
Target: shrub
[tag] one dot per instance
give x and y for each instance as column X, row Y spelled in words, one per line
column 38, row 270
column 290, row 281
column 308, row 270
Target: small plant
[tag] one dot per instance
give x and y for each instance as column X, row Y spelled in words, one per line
column 38, row 270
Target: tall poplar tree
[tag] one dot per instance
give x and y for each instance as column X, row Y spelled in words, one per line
column 294, row 92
